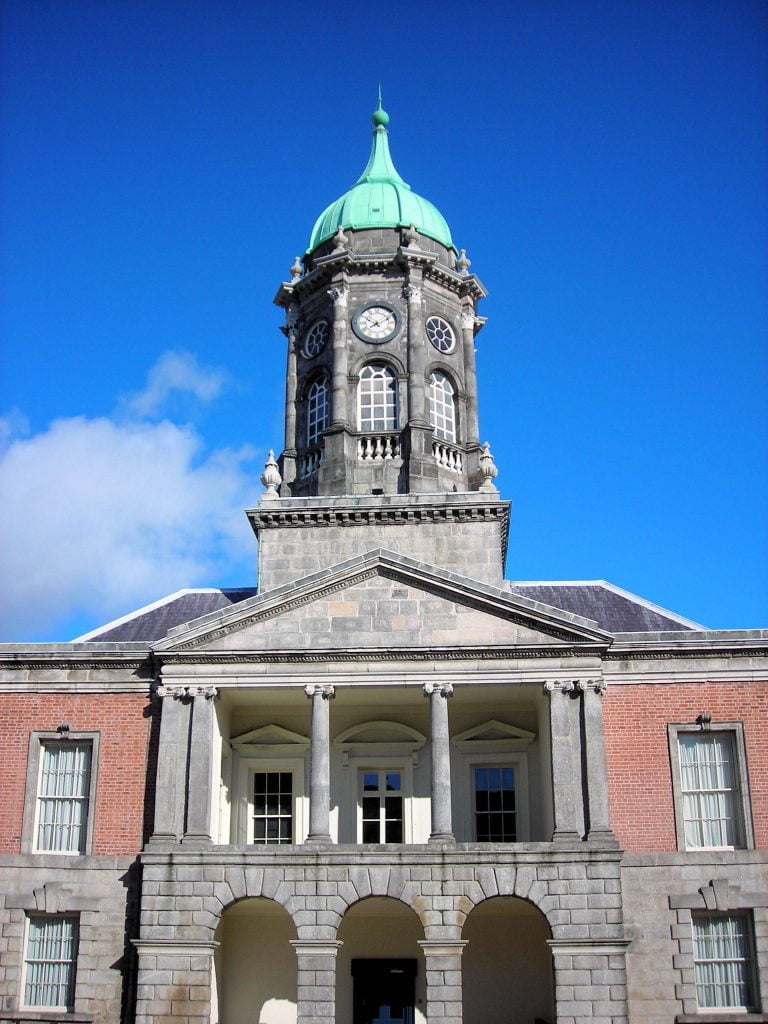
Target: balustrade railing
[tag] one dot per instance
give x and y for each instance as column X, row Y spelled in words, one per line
column 377, row 447
column 309, row 462
column 447, row 456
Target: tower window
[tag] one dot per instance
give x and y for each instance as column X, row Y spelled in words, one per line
column 377, row 398
column 318, row 410
column 442, row 408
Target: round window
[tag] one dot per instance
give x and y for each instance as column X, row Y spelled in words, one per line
column 315, row 338
column 440, row 333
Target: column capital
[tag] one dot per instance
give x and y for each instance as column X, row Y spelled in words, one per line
column 324, row 690
column 444, row 689
column 442, row 947
column 412, row 292
column 187, row 692
column 316, row 947
column 597, row 686
column 339, row 294
column 559, row 685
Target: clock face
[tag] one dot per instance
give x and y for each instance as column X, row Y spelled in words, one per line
column 315, row 338
column 376, row 323
column 440, row 333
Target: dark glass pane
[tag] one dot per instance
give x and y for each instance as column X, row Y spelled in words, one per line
column 273, row 828
column 259, row 782
column 370, row 780
column 286, row 780
column 259, row 829
column 508, row 801
column 393, row 780
column 508, row 778
column 285, row 803
column 371, row 808
column 481, row 778
column 259, row 804
column 481, row 800
column 393, row 832
column 482, row 829
column 273, row 782
column 286, row 830
column 370, row 831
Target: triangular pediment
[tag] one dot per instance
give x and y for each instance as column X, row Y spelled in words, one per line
column 492, row 731
column 269, row 736
column 382, row 601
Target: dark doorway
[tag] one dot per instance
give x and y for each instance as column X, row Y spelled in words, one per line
column 383, row 991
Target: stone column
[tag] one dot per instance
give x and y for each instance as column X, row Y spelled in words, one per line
column 320, row 764
column 599, row 824
column 174, row 981
column 470, row 374
column 439, row 736
column 199, row 795
column 417, row 353
column 316, row 980
column 339, row 383
column 442, row 966
column 171, row 787
column 292, row 333
column 566, row 760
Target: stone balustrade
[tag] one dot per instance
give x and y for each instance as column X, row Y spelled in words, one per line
column 447, row 455
column 377, row 447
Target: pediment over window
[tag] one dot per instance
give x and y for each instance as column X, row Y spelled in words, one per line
column 273, row 738
column 494, row 735
column 368, row 739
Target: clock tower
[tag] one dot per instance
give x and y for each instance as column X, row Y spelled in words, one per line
column 381, row 422
column 381, row 393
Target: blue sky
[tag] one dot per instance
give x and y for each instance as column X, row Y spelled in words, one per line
column 604, row 163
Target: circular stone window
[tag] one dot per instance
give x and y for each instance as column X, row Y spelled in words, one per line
column 440, row 333
column 315, row 338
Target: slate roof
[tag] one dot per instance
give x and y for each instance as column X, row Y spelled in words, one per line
column 613, row 609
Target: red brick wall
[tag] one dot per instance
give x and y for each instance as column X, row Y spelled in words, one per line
column 122, row 763
column 637, row 753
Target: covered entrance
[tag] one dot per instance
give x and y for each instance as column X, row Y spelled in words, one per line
column 384, row 991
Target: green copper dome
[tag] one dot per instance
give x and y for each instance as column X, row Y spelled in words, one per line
column 380, row 199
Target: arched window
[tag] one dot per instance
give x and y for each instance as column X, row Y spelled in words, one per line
column 442, row 408
column 318, row 410
column 377, row 398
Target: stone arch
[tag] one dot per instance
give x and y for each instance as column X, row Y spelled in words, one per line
column 507, row 969
column 255, row 968
column 384, row 929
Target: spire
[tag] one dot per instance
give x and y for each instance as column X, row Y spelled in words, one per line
column 380, row 166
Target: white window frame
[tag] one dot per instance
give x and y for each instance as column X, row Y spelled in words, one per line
column 371, row 376
column 742, row 814
column 493, row 744
column 33, row 795
column 71, row 962
column 384, row 764
column 269, row 748
column 318, row 409
column 442, row 406
column 746, row 957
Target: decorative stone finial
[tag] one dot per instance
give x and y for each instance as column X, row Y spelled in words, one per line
column 462, row 263
column 271, row 477
column 341, row 241
column 296, row 269
column 488, row 469
column 410, row 236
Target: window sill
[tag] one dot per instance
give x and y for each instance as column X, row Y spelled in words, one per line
column 721, row 1017
column 45, row 1014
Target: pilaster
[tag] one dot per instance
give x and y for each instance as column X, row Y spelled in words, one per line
column 565, row 744
column 198, row 826
column 442, row 966
column 316, row 980
column 170, row 791
column 598, row 815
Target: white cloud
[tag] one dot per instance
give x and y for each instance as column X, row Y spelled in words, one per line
column 101, row 516
column 175, row 371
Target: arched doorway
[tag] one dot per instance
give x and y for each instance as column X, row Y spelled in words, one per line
column 380, row 969
column 255, row 965
column 507, row 965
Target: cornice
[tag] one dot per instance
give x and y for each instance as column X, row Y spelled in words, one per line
column 361, row 264
column 185, row 654
column 272, row 514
